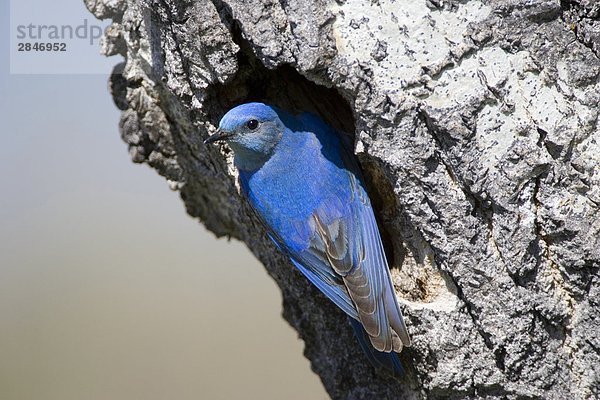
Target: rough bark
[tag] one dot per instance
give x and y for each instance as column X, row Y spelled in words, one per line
column 476, row 123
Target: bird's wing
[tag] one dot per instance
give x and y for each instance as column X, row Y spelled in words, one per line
column 345, row 260
column 349, row 247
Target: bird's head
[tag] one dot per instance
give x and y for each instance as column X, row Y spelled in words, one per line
column 252, row 130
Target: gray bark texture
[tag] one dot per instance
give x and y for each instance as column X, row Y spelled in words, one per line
column 476, row 125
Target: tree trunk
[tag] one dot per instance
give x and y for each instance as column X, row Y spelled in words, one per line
column 476, row 124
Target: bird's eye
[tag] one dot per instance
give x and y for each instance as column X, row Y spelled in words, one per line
column 252, row 124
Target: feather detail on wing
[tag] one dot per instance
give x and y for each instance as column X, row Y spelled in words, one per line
column 360, row 265
column 322, row 276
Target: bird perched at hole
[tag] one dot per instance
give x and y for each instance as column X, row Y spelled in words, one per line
column 306, row 187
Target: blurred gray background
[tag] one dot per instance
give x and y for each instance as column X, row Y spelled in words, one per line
column 108, row 290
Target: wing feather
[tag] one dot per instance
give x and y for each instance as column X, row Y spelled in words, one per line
column 361, row 266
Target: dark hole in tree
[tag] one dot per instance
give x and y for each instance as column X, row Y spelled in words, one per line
column 283, row 87
column 286, row 88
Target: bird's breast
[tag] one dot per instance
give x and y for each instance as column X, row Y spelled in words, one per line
column 288, row 189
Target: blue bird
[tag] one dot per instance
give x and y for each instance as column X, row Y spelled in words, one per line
column 307, row 188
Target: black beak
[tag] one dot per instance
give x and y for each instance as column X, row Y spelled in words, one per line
column 219, row 136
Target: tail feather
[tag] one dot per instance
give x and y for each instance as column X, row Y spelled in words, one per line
column 379, row 359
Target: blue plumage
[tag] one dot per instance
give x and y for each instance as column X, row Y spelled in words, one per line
column 307, row 188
